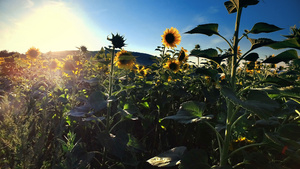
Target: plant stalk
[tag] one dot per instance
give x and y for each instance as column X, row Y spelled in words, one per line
column 230, row 106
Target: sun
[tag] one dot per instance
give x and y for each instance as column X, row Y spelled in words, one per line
column 52, row 27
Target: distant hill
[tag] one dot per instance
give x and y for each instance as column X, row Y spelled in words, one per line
column 141, row 58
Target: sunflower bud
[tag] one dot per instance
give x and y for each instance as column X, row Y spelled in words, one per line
column 117, row 41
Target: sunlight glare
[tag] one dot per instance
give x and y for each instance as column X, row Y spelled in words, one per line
column 52, row 27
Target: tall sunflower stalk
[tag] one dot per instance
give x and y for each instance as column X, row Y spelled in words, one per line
column 230, row 106
column 117, row 42
column 232, row 6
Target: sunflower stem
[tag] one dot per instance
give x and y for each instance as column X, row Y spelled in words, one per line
column 110, row 89
column 230, row 106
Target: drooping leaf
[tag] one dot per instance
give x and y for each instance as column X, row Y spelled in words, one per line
column 93, row 118
column 289, row 91
column 135, row 145
column 114, row 144
column 190, row 112
column 92, row 82
column 80, row 111
column 256, row 43
column 257, row 102
column 230, row 7
column 97, row 101
column 285, row 56
column 206, row 71
column 289, row 43
column 194, row 159
column 261, row 103
column 169, row 158
column 210, row 53
column 206, row 29
column 262, row 27
column 291, row 131
column 277, row 81
column 245, row 4
column 252, row 57
column 205, row 53
column 271, row 122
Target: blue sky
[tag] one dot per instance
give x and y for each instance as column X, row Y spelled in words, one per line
column 55, row 25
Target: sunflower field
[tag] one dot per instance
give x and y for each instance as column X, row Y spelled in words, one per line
column 231, row 110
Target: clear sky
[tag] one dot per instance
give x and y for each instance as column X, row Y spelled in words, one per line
column 55, row 25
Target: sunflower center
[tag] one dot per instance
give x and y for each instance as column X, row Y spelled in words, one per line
column 124, row 62
column 173, row 66
column 170, row 38
column 33, row 53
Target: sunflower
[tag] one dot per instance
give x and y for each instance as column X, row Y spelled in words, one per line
column 173, row 65
column 171, row 38
column 33, row 53
column 183, row 55
column 142, row 70
column 124, row 60
column 55, row 64
column 117, row 41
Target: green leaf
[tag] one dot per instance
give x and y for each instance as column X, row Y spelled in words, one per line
column 208, row 72
column 252, row 57
column 97, row 101
column 285, row 56
column 205, row 53
column 289, row 43
column 210, row 53
column 257, row 43
column 278, row 81
column 194, row 159
column 206, row 29
column 135, row 145
column 290, row 91
column 230, row 7
column 262, row 27
column 291, row 131
column 245, row 3
column 114, row 144
column 296, row 63
column 80, row 111
column 169, row 158
column 257, row 102
column 271, row 122
column 190, row 112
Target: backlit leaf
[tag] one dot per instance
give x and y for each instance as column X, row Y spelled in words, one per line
column 256, row 43
column 210, row 53
column 285, row 56
column 289, row 43
column 245, row 3
column 252, row 57
column 97, row 101
column 277, row 81
column 262, row 27
column 190, row 112
column 205, row 53
column 169, row 158
column 230, row 7
column 257, row 102
column 206, row 29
